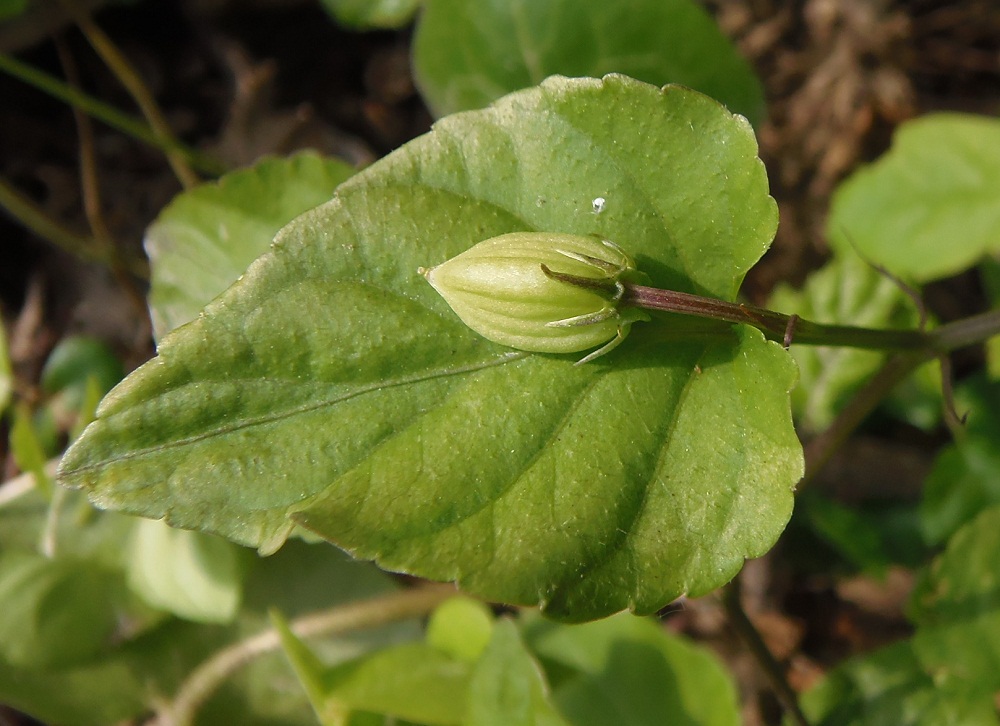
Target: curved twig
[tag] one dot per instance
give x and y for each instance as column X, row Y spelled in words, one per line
column 208, row 676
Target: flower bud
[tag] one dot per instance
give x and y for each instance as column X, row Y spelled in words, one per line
column 541, row 291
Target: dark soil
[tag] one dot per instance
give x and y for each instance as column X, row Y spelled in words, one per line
column 244, row 79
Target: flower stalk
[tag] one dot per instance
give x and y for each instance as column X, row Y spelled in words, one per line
column 777, row 326
column 793, row 329
column 560, row 293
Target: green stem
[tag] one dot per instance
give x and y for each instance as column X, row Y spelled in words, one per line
column 34, row 218
column 137, row 88
column 29, row 214
column 104, row 112
column 819, row 450
column 90, row 189
column 967, row 331
column 791, row 328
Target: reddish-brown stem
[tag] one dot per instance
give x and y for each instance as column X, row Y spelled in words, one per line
column 777, row 326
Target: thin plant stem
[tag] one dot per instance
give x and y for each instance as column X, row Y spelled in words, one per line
column 819, row 450
column 790, row 328
column 952, row 418
column 951, row 336
column 137, row 88
column 764, row 657
column 89, row 185
column 776, row 326
column 207, row 677
column 793, row 329
column 33, row 217
column 30, row 215
column 106, row 113
column 49, row 542
column 912, row 346
column 967, row 331
column 91, row 192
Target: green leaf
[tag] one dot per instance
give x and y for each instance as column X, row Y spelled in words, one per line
column 469, row 53
column 927, row 209
column 147, row 656
column 869, row 535
column 306, row 665
column 12, row 8
column 409, row 679
column 27, row 447
column 96, row 694
column 76, row 360
column 507, row 686
column 423, row 684
column 917, row 399
column 6, row 374
column 298, row 580
column 80, row 530
column 128, row 681
column 629, row 670
column 205, row 238
column 962, row 483
column 846, row 291
column 371, row 14
column 77, row 374
column 192, row 575
column 56, row 612
column 957, row 608
column 413, row 682
column 460, row 627
column 87, row 408
column 333, row 387
column 847, row 530
column 989, row 276
column 964, row 479
column 889, row 688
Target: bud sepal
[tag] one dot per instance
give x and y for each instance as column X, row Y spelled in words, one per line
column 542, row 292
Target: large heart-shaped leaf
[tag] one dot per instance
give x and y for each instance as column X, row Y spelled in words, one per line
column 332, row 386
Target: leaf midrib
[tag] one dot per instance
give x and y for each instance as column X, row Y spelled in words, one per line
column 250, row 422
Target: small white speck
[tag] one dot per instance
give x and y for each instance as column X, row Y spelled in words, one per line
column 598, row 204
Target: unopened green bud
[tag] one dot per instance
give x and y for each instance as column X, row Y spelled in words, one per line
column 541, row 291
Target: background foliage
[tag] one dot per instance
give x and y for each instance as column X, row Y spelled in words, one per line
column 655, row 432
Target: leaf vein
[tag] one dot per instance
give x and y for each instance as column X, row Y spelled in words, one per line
column 251, row 422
